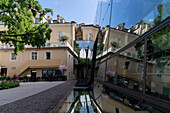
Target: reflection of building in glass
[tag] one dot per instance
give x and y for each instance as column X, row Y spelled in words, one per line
column 141, row 63
column 85, row 37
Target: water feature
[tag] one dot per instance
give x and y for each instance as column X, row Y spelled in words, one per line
column 79, row 102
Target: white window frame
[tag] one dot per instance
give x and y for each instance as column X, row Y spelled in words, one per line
column 46, row 55
column 31, row 55
column 88, row 36
column 119, row 41
column 11, row 57
column 138, row 67
column 59, row 34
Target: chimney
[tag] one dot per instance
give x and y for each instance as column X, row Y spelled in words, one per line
column 137, row 26
column 132, row 27
column 108, row 26
column 97, row 25
column 73, row 22
column 58, row 18
column 82, row 24
column 123, row 25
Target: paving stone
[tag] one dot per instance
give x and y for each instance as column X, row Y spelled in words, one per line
column 45, row 101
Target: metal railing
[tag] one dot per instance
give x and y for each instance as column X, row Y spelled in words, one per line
column 48, row 44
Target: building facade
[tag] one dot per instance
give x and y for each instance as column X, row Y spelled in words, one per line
column 139, row 76
column 43, row 63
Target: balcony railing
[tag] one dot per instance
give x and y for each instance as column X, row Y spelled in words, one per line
column 147, row 74
column 49, row 44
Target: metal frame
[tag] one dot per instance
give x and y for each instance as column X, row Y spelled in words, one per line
column 144, row 37
column 158, row 27
column 157, row 103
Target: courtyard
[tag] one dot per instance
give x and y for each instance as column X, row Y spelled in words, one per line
column 34, row 97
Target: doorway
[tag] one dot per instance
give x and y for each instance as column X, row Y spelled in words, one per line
column 3, row 71
column 33, row 75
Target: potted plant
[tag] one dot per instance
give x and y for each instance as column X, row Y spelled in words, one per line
column 64, row 37
column 110, row 75
column 25, row 78
column 62, row 68
column 114, row 44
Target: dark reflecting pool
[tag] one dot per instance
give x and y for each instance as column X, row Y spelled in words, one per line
column 79, row 102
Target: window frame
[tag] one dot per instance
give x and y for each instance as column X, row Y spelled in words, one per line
column 139, row 64
column 31, row 55
column 46, row 55
column 59, row 35
column 89, row 34
column 11, row 57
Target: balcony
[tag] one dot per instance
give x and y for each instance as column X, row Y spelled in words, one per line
column 47, row 45
column 142, row 75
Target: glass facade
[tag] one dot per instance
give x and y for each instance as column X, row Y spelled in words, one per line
column 141, row 65
column 131, row 12
column 52, row 75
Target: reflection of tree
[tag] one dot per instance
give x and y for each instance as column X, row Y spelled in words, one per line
column 160, row 42
column 158, row 45
column 114, row 44
column 163, row 10
column 100, row 49
column 76, row 48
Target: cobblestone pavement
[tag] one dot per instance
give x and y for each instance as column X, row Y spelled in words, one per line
column 45, row 101
column 25, row 90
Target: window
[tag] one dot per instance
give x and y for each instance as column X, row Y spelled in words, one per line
column 34, row 55
column 89, row 36
column 36, row 20
column 166, row 91
column 119, row 41
column 117, row 110
column 140, row 68
column 47, row 55
column 13, row 56
column 127, row 64
column 60, row 33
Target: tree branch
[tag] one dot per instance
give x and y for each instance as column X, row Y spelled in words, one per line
column 12, row 40
column 3, row 34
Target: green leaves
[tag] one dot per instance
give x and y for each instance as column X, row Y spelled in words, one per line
column 47, row 10
column 18, row 15
column 114, row 44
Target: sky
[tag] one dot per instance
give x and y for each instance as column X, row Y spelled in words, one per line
column 81, row 11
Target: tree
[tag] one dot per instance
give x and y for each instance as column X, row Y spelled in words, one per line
column 17, row 16
column 100, row 48
column 159, row 43
column 76, row 48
